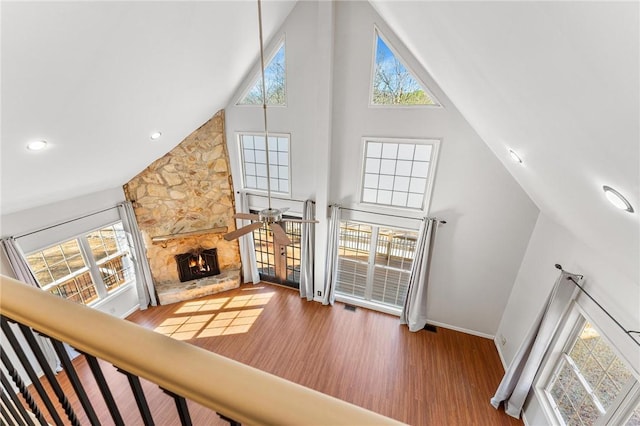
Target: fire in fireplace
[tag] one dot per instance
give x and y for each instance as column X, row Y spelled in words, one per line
column 197, row 264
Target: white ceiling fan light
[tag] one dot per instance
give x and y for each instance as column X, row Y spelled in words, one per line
column 617, row 199
column 270, row 216
column 37, row 145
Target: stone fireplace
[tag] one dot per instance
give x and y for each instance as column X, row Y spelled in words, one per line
column 183, row 203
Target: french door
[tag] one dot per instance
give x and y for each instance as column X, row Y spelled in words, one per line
column 277, row 263
column 374, row 263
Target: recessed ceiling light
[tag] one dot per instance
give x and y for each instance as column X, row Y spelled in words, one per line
column 36, row 145
column 617, row 199
column 515, row 157
column 155, row 136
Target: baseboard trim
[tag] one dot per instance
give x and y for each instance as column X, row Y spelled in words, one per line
column 462, row 330
column 130, row 311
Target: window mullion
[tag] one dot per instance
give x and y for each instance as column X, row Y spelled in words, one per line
column 93, row 267
column 373, row 246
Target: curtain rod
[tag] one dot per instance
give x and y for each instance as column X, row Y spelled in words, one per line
column 388, row 214
column 629, row 333
column 275, row 198
column 66, row 221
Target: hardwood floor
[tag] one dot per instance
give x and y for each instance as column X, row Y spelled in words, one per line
column 361, row 356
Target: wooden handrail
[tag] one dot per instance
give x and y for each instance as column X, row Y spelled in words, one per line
column 238, row 391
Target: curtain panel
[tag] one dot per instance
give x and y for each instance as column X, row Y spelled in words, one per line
column 250, row 272
column 23, row 273
column 518, row 379
column 307, row 250
column 144, row 281
column 414, row 311
column 331, row 265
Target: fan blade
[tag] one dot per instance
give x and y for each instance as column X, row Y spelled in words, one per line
column 246, row 216
column 240, row 232
column 279, row 235
column 284, row 209
column 300, row 220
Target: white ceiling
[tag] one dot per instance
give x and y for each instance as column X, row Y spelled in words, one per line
column 556, row 81
column 95, row 79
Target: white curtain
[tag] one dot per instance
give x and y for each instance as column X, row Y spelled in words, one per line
column 331, row 265
column 23, row 273
column 414, row 311
column 518, row 379
column 144, row 280
column 307, row 252
column 250, row 272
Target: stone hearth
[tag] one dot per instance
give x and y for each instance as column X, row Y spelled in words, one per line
column 177, row 292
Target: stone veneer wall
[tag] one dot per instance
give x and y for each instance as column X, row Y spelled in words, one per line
column 187, row 190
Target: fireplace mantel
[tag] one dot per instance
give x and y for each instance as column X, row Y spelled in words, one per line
column 162, row 239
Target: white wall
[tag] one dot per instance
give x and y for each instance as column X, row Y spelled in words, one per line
column 615, row 289
column 306, row 117
column 490, row 218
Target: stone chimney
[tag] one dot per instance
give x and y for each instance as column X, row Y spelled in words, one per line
column 184, row 202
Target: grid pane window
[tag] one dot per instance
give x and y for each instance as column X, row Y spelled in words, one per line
column 62, row 270
column 111, row 252
column 396, row 173
column 65, row 269
column 254, row 162
column 292, row 253
column 374, row 263
column 588, row 379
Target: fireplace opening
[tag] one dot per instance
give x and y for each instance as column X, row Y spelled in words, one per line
column 197, row 264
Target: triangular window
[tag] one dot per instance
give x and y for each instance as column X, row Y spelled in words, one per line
column 393, row 83
column 275, row 79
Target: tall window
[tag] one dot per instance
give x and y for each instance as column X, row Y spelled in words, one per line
column 275, row 82
column 398, row 172
column 590, row 384
column 254, row 161
column 87, row 268
column 374, row 263
column 393, row 84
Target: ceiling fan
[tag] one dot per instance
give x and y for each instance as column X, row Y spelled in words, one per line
column 269, row 217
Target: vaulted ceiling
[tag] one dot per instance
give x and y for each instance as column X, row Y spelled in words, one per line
column 558, row 82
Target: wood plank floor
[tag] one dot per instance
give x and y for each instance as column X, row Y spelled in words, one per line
column 364, row 357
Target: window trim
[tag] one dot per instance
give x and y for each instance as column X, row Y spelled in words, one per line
column 282, row 42
column 568, row 331
column 91, row 266
column 377, row 32
column 242, row 164
column 433, row 164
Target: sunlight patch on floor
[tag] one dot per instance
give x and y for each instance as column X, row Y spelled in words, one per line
column 214, row 317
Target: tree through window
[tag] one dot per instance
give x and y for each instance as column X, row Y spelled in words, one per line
column 393, row 83
column 275, row 82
